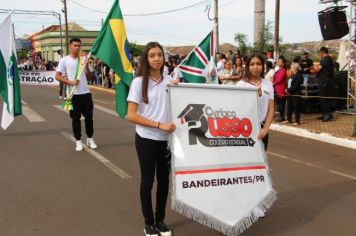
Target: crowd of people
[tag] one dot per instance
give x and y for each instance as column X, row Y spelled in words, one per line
column 288, row 78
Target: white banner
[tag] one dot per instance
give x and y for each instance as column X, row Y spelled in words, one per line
column 38, row 78
column 220, row 175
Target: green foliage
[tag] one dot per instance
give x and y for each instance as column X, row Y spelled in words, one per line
column 23, row 54
column 242, row 41
column 135, row 49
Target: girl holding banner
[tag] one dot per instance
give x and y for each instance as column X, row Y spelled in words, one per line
column 254, row 73
column 148, row 109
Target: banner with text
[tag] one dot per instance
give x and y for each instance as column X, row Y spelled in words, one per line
column 220, row 175
column 38, row 78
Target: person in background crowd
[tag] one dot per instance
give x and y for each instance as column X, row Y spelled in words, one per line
column 336, row 64
column 220, row 65
column 325, row 73
column 279, row 82
column 269, row 71
column 147, row 108
column 227, row 76
column 237, row 55
column 98, row 72
column 239, row 69
column 294, row 91
column 306, row 63
column 177, row 73
column 91, row 70
column 269, row 55
column 244, row 59
column 254, row 78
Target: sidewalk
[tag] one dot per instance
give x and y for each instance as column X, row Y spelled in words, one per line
column 338, row 131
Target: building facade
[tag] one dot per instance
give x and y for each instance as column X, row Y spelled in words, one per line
column 48, row 41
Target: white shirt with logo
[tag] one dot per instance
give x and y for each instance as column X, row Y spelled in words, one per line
column 156, row 109
column 68, row 66
column 263, row 101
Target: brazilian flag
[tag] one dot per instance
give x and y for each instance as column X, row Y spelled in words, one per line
column 111, row 46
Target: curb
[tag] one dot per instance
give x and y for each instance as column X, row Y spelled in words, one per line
column 110, row 91
column 323, row 137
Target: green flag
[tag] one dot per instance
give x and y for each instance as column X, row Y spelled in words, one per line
column 9, row 74
column 199, row 65
column 111, row 46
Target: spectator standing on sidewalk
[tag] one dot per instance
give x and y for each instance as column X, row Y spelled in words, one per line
column 279, row 82
column 325, row 74
column 294, row 91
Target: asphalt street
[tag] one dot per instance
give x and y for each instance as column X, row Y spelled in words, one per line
column 46, row 188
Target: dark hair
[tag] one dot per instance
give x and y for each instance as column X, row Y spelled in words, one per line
column 144, row 68
column 75, row 40
column 248, row 62
column 324, row 50
column 283, row 59
column 296, row 59
column 269, row 65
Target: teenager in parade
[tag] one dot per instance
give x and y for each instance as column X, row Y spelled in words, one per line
column 254, row 73
column 148, row 109
column 69, row 72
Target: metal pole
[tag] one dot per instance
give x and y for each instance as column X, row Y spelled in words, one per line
column 61, row 34
column 66, row 24
column 276, row 30
column 216, row 25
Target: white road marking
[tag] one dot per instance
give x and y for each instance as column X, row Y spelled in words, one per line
column 31, row 115
column 59, row 107
column 98, row 100
column 106, row 110
column 313, row 165
column 101, row 158
column 24, row 103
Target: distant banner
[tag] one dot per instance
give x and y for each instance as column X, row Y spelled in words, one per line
column 220, row 175
column 38, row 78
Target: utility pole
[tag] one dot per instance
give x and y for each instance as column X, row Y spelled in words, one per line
column 259, row 19
column 66, row 24
column 216, row 25
column 276, row 30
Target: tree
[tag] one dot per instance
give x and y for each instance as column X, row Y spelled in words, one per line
column 135, row 49
column 242, row 41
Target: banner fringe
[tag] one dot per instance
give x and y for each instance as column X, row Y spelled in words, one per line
column 226, row 229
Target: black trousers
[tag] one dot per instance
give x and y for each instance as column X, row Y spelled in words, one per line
column 281, row 104
column 293, row 104
column 61, row 89
column 82, row 105
column 155, row 159
column 265, row 139
column 324, row 103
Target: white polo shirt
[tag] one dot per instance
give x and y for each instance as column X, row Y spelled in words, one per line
column 156, row 109
column 68, row 66
column 263, row 101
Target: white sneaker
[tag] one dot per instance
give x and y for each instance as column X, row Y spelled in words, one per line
column 79, row 146
column 60, row 97
column 91, row 143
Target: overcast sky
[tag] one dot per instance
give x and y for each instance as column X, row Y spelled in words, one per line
column 298, row 19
